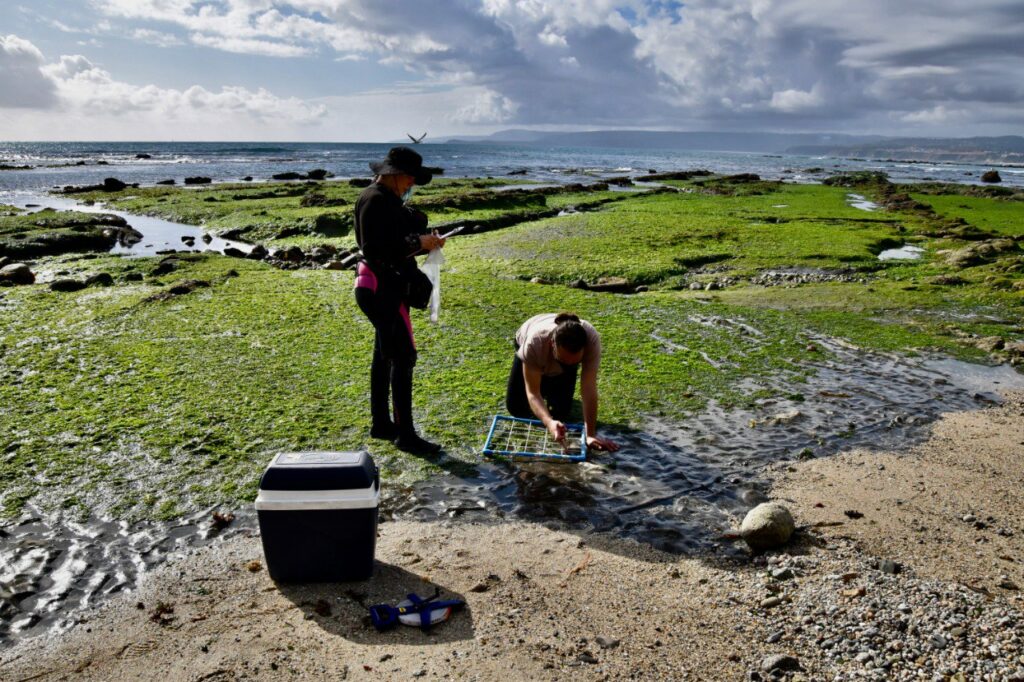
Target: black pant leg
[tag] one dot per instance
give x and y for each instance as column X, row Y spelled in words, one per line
column 515, row 392
column 380, row 385
column 401, row 396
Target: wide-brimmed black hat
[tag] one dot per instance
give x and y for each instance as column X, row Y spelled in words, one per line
column 404, row 161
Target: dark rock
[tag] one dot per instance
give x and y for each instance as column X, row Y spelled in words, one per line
column 320, row 254
column 991, row 176
column 742, row 177
column 578, row 284
column 17, row 273
column 67, row 285
column 247, row 178
column 947, row 280
column 615, row 285
column 360, row 182
column 521, row 171
column 101, row 162
column 198, row 180
column 233, row 233
column 234, row 253
column 258, row 252
column 133, row 277
column 317, row 199
column 332, row 224
column 168, row 181
column 675, row 175
column 206, row 238
column 180, row 289
column 293, row 254
column 143, row 156
column 100, row 279
column 164, row 267
column 607, row 642
column 319, row 174
column 289, row 175
column 113, row 185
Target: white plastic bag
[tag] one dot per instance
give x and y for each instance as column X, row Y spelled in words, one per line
column 432, row 269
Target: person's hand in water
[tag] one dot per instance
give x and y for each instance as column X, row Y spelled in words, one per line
column 595, row 443
column 557, row 431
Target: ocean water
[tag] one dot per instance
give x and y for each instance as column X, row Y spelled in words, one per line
column 54, row 163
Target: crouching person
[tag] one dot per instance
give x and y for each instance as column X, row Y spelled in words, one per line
column 550, row 348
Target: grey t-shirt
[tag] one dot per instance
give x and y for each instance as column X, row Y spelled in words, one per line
column 536, row 350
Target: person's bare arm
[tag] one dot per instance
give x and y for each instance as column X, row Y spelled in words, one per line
column 532, row 378
column 588, row 392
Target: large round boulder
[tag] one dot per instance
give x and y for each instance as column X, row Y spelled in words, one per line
column 991, row 176
column 767, row 526
column 17, row 273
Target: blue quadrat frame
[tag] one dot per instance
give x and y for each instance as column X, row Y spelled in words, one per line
column 504, row 429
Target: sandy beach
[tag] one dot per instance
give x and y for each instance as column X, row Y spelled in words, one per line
column 940, row 535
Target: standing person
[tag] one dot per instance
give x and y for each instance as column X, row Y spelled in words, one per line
column 549, row 351
column 390, row 234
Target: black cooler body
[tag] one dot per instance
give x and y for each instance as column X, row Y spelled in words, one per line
column 318, row 516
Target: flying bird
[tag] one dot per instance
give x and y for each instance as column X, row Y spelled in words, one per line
column 416, row 140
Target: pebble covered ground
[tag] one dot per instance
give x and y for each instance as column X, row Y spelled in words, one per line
column 853, row 617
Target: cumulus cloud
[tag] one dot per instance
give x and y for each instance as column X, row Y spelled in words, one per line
column 79, row 89
column 797, row 100
column 23, row 83
column 703, row 63
column 157, row 38
column 250, row 46
column 486, row 107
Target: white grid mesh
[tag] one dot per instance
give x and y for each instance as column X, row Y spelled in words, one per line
column 533, row 439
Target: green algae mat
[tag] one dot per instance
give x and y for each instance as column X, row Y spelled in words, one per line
column 133, row 401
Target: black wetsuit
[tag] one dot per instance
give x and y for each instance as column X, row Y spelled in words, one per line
column 388, row 234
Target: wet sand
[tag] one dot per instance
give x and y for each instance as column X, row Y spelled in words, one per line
column 540, row 599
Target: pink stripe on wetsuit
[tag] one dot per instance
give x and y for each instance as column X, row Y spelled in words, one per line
column 366, row 279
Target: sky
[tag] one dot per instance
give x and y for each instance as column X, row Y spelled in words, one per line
column 373, row 70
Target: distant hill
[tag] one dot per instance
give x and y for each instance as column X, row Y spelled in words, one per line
column 1006, row 149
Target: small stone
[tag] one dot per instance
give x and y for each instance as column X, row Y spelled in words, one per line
column 779, row 662
column 770, row 602
column 422, row 672
column 606, row 642
column 957, row 632
column 889, row 566
column 782, row 574
column 863, row 657
column 775, row 637
column 587, row 657
column 938, row 641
